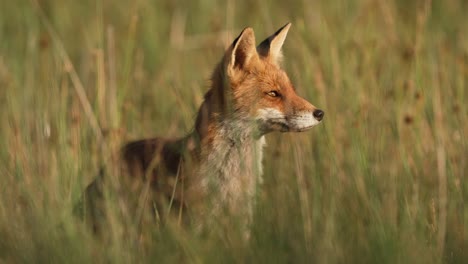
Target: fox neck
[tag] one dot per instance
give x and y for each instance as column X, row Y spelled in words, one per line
column 231, row 167
column 232, row 145
column 231, row 150
column 219, row 123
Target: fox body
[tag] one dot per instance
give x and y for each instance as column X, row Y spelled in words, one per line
column 215, row 169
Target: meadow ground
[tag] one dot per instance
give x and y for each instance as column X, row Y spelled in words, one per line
column 382, row 180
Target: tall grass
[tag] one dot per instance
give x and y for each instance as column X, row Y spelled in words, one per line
column 381, row 180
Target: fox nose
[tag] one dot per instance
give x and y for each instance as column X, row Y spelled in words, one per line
column 318, row 114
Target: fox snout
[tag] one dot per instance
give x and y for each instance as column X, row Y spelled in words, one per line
column 272, row 119
column 303, row 121
column 318, row 114
column 300, row 115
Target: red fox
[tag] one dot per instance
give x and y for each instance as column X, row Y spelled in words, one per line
column 215, row 169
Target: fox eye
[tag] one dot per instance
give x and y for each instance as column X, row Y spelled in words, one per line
column 273, row 94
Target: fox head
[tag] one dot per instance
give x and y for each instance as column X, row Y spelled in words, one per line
column 249, row 83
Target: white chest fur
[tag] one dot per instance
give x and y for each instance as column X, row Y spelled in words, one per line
column 232, row 171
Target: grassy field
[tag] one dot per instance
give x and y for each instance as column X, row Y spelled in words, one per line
column 382, row 180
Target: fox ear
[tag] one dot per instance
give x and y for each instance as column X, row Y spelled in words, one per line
column 242, row 51
column 270, row 48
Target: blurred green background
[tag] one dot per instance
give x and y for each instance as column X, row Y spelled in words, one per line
column 381, row 180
